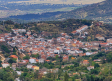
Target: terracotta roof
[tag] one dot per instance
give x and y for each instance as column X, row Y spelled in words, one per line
column 85, row 61
column 33, row 66
column 13, row 56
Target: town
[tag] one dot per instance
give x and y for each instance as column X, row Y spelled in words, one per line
column 32, row 49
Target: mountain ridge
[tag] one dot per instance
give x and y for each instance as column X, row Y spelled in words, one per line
column 98, row 11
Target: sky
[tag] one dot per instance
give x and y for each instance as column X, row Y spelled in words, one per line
column 59, row 1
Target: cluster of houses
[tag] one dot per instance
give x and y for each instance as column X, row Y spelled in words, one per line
column 63, row 45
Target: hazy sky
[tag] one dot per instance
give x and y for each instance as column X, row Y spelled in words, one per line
column 61, row 1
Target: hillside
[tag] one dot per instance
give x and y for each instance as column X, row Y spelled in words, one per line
column 91, row 64
column 54, row 28
column 99, row 11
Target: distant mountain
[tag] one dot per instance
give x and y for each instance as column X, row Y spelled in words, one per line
column 36, row 16
column 100, row 11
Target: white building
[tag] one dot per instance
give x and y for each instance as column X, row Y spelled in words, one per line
column 29, row 66
column 41, row 60
column 32, row 60
column 82, row 28
column 4, row 65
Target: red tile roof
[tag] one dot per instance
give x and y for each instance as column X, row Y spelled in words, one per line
column 13, row 56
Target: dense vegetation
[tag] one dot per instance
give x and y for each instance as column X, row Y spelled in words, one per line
column 101, row 71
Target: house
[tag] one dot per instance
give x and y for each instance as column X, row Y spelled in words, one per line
column 20, row 64
column 14, row 65
column 82, row 28
column 41, row 60
column 55, row 70
column 29, row 32
column 4, row 65
column 76, row 73
column 97, row 60
column 19, row 72
column 109, row 41
column 35, row 68
column 32, row 60
column 2, row 39
column 90, row 67
column 17, row 79
column 57, row 51
column 47, row 60
column 29, row 66
column 99, row 37
column 85, row 62
column 14, row 56
column 74, row 32
column 89, row 53
column 73, row 58
column 63, row 34
column 65, row 58
column 95, row 43
column 43, row 71
column 25, row 61
column 104, row 44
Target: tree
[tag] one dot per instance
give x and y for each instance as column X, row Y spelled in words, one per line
column 59, row 73
column 36, row 74
column 76, row 64
column 16, row 26
column 4, row 48
column 10, row 79
column 12, row 60
column 66, row 76
column 36, row 56
column 26, row 57
column 103, row 60
column 94, row 71
column 84, row 79
column 9, row 22
column 47, row 79
column 109, row 57
column 107, row 79
column 96, row 65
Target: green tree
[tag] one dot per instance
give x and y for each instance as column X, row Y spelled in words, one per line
column 96, row 65
column 10, row 79
column 36, row 74
column 36, row 56
column 26, row 57
column 47, row 79
column 94, row 71
column 76, row 64
column 109, row 57
column 84, row 79
column 66, row 76
column 49, row 75
column 107, row 79
column 4, row 48
column 12, row 60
